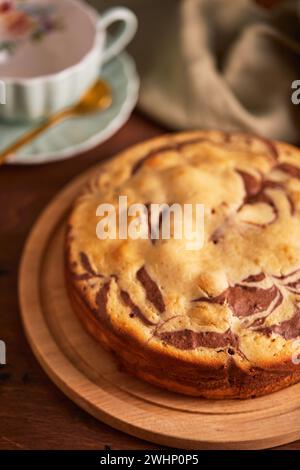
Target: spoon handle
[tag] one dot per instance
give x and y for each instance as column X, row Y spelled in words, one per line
column 32, row 134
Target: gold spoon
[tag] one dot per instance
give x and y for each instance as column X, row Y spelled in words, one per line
column 98, row 97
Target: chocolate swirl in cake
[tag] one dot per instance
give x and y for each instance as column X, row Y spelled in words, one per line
column 153, row 293
column 188, row 339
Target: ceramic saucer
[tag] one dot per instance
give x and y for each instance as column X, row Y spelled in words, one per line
column 77, row 135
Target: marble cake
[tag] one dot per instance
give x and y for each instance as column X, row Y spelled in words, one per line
column 218, row 322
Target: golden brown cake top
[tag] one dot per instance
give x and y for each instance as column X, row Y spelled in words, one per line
column 239, row 293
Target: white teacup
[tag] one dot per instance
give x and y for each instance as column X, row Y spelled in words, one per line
column 51, row 52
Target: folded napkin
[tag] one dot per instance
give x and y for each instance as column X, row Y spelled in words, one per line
column 225, row 64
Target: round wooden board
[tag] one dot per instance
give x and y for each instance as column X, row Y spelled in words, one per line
column 88, row 375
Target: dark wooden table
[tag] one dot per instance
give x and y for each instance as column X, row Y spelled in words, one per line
column 34, row 414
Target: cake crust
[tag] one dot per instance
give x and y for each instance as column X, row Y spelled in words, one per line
column 220, row 322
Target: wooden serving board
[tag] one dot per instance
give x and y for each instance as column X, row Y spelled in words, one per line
column 89, row 376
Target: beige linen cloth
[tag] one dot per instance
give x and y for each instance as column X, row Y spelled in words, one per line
column 223, row 64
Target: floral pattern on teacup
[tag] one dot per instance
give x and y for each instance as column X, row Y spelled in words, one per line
column 22, row 20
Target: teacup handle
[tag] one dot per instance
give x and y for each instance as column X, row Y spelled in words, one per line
column 125, row 35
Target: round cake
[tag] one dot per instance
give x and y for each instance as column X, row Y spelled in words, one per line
column 219, row 321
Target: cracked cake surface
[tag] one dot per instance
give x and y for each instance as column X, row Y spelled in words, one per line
column 217, row 322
